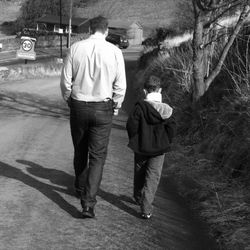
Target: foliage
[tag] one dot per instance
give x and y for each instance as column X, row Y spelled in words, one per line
column 173, row 66
column 227, row 136
column 222, row 131
column 210, row 17
column 222, row 120
column 157, row 36
column 223, row 204
column 214, row 174
column 33, row 9
column 236, row 65
column 212, row 163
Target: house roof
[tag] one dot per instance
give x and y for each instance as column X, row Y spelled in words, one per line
column 123, row 24
column 65, row 20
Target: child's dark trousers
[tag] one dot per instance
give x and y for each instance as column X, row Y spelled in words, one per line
column 147, row 174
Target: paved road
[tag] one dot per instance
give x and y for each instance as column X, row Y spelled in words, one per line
column 38, row 210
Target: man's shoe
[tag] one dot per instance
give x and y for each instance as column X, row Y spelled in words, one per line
column 88, row 212
column 146, row 216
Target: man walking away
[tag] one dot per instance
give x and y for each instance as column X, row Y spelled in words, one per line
column 93, row 82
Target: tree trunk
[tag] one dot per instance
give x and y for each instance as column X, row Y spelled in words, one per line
column 202, row 78
column 198, row 59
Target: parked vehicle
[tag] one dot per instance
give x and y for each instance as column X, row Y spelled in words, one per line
column 118, row 40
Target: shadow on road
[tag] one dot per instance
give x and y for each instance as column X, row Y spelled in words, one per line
column 34, row 105
column 59, row 178
column 117, row 201
column 49, row 191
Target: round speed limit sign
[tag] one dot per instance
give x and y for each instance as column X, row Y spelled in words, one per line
column 27, row 45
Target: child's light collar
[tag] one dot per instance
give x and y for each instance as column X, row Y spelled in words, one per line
column 154, row 96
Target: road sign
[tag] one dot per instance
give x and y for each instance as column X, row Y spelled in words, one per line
column 27, row 45
column 26, row 50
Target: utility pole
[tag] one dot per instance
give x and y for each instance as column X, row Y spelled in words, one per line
column 60, row 28
column 70, row 20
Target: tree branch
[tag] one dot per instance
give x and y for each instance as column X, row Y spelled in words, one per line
column 212, row 5
column 213, row 40
column 220, row 15
column 224, row 53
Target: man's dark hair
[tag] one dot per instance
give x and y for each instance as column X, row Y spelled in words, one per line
column 152, row 84
column 98, row 23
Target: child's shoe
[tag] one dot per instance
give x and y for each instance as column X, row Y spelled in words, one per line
column 146, row 216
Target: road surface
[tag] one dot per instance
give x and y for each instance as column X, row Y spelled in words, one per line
column 38, row 210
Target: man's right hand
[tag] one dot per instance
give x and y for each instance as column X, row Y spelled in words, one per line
column 115, row 111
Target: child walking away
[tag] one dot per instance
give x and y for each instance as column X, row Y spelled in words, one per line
column 150, row 128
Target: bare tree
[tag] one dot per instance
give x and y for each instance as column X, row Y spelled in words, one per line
column 209, row 19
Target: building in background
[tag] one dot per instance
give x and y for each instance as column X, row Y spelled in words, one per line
column 133, row 30
column 52, row 23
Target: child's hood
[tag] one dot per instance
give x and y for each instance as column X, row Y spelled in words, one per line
column 155, row 112
column 162, row 108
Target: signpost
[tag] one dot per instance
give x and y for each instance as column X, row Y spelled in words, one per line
column 26, row 50
column 70, row 22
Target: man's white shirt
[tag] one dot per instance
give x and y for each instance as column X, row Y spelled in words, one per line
column 93, row 71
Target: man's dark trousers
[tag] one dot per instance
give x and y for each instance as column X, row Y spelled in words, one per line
column 90, row 124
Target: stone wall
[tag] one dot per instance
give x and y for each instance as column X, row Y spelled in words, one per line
column 29, row 71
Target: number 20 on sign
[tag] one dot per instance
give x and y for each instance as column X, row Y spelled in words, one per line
column 26, row 50
column 27, row 45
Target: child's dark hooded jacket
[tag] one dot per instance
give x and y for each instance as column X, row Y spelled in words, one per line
column 150, row 131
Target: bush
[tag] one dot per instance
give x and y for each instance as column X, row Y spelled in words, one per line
column 173, row 66
column 34, row 9
column 227, row 136
column 211, row 166
column 221, row 121
column 9, row 28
